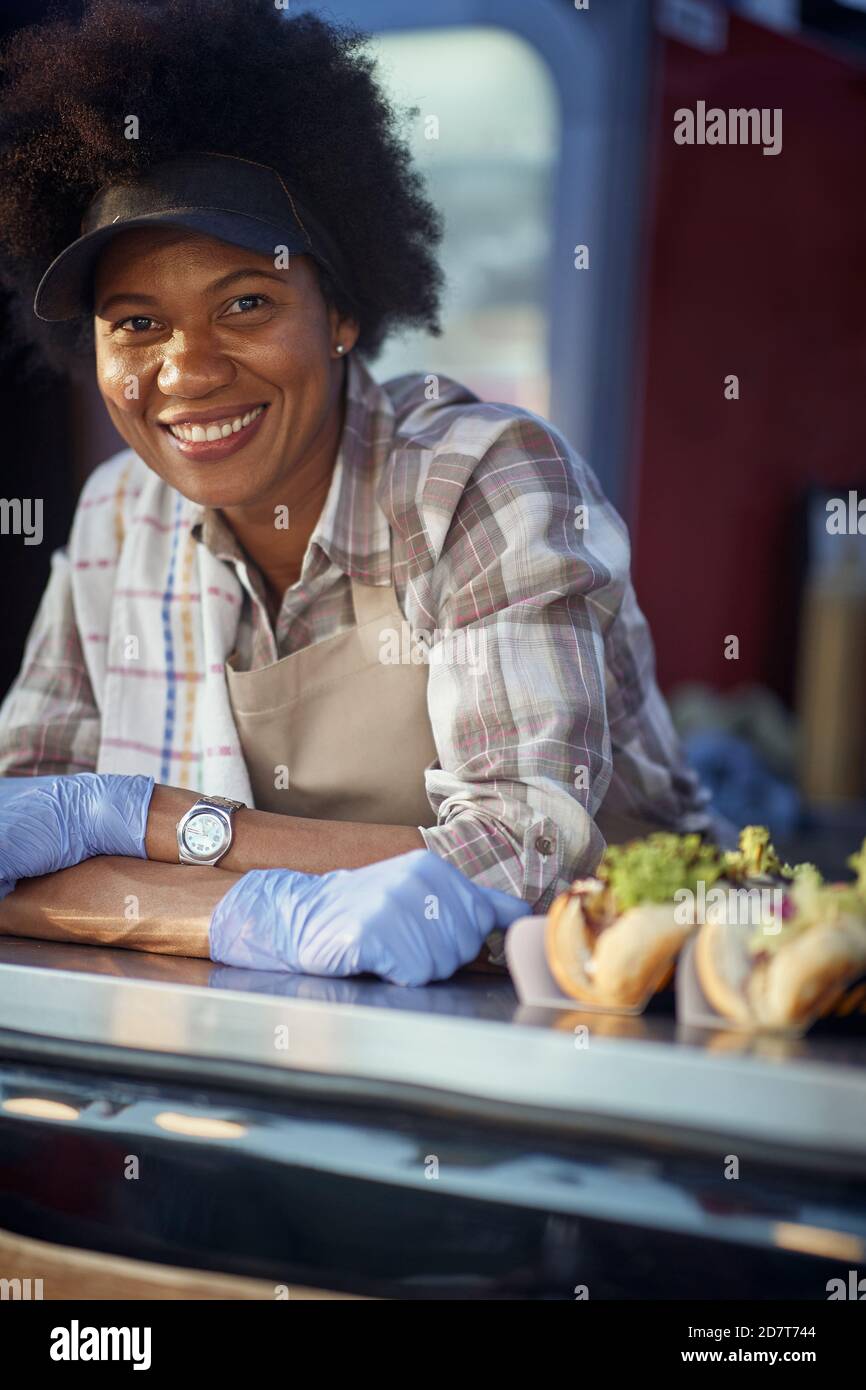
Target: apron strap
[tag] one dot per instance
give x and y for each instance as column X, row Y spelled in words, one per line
column 375, row 601
column 372, row 601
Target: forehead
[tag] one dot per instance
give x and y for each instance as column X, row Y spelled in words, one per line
column 171, row 252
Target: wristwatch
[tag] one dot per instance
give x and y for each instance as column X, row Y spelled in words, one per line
column 204, row 834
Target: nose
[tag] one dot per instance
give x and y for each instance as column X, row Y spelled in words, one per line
column 192, row 366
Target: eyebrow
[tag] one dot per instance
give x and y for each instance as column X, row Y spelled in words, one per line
column 222, row 283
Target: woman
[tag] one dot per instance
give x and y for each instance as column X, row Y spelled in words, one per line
column 231, row 615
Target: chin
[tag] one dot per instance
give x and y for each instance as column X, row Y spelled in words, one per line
column 216, row 497
column 204, row 487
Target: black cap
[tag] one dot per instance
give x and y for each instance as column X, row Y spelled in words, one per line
column 224, row 196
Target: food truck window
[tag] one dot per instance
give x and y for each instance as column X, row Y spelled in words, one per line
column 486, row 137
column 544, row 135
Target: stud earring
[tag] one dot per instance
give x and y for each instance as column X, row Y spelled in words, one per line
column 340, row 348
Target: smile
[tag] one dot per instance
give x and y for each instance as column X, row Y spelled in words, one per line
column 217, row 438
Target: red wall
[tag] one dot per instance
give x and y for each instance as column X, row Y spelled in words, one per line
column 757, row 267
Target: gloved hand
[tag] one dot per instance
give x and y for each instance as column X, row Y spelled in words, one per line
column 50, row 823
column 409, row 919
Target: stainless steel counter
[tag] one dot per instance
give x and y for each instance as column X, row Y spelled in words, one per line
column 467, row 1039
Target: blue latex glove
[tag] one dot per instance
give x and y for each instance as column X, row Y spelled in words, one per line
column 410, row 919
column 50, row 823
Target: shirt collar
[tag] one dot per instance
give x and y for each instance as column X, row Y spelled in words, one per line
column 352, row 530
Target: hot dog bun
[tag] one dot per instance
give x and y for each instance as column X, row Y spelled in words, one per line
column 619, row 965
column 808, row 975
column 801, row 980
column 568, row 942
column 723, row 965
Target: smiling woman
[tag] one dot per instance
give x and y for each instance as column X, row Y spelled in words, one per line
column 210, row 646
column 229, row 358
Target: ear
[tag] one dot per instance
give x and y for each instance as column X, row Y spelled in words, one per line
column 344, row 333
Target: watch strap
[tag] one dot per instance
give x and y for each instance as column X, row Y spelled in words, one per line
column 224, row 803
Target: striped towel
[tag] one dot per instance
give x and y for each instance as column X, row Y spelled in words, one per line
column 159, row 615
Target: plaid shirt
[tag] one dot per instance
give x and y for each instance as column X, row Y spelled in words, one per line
column 493, row 531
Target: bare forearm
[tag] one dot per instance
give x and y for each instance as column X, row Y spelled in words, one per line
column 111, row 901
column 263, row 840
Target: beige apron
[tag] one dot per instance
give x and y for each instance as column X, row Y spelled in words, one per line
column 348, row 733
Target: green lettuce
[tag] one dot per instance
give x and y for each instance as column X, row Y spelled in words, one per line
column 655, row 868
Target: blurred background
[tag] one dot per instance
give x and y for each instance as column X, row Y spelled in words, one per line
column 545, row 128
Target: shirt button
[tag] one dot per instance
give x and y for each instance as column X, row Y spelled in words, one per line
column 544, row 845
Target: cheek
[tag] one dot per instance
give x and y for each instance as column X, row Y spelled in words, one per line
column 295, row 350
column 121, row 384
column 299, row 365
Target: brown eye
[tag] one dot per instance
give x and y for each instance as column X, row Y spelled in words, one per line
column 252, row 301
column 142, row 323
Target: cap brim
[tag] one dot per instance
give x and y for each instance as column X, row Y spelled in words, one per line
column 66, row 289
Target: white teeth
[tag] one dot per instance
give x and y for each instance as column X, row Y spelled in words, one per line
column 217, row 429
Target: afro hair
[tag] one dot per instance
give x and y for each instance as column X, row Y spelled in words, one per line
column 240, row 77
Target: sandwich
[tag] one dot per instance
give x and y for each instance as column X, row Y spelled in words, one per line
column 612, row 940
column 795, row 964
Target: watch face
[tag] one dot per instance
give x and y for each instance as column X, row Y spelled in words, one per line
column 204, row 835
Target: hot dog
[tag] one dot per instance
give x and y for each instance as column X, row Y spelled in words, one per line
column 794, row 966
column 611, row 939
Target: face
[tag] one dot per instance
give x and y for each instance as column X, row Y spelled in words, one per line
column 218, row 370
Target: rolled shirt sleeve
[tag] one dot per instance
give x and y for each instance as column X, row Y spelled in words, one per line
column 526, row 698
